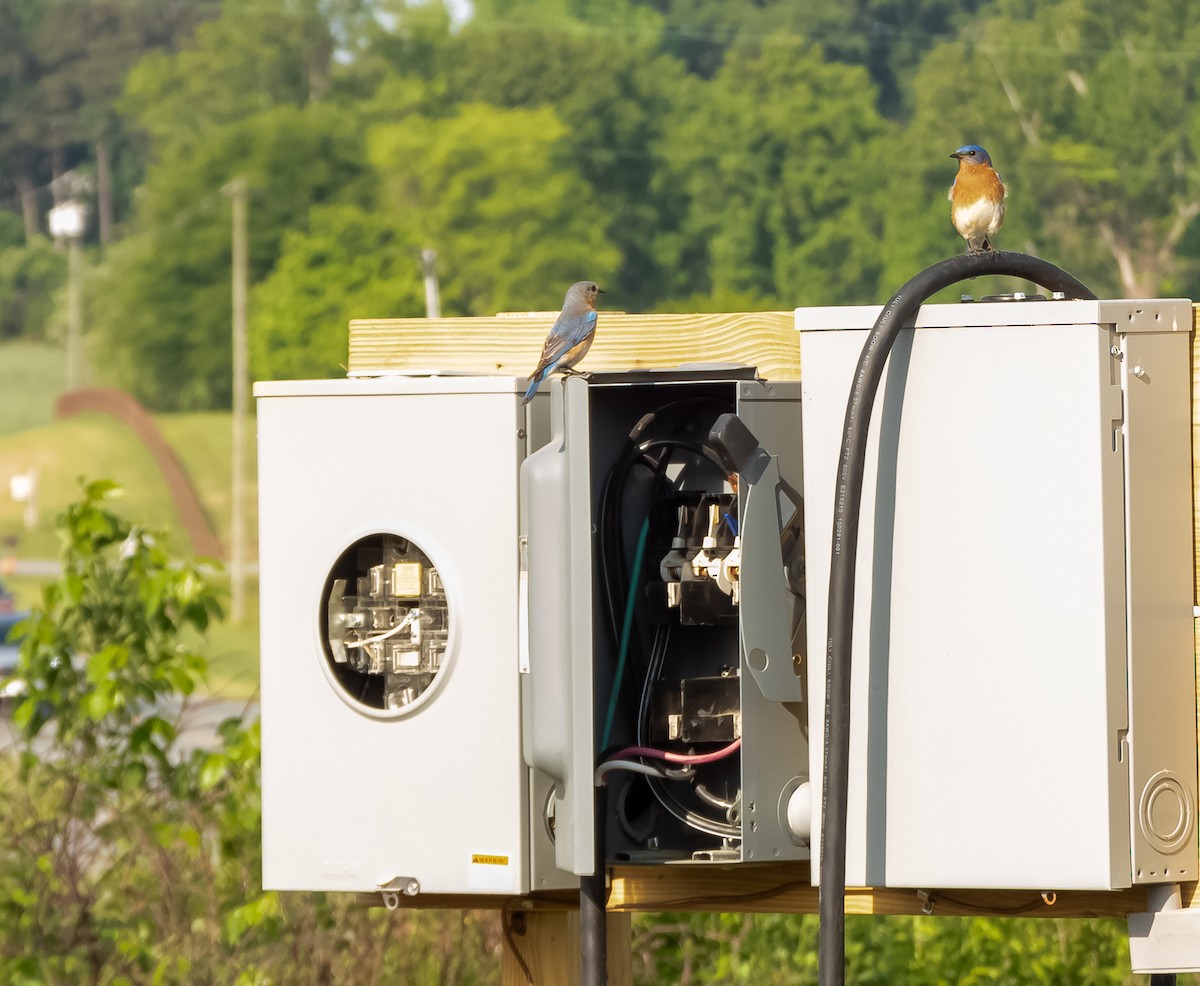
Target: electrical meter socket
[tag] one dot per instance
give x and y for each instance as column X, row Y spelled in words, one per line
column 391, row 717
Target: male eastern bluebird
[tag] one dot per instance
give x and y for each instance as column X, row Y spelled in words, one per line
column 977, row 198
column 570, row 337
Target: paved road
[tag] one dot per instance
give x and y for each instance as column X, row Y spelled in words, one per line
column 42, row 568
column 49, row 568
column 198, row 722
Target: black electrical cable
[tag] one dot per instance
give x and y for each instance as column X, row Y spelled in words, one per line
column 898, row 313
column 611, row 524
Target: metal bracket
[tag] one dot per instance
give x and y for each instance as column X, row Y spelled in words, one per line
column 409, row 886
column 766, row 641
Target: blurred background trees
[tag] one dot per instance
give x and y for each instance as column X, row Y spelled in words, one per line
column 687, row 153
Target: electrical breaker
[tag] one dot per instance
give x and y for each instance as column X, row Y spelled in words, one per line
column 391, row 714
column 1023, row 686
column 664, row 605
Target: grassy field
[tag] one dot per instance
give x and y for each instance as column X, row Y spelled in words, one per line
column 91, row 445
column 96, row 446
column 32, row 375
column 204, row 443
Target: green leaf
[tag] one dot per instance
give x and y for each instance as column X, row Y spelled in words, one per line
column 250, row 915
column 213, row 771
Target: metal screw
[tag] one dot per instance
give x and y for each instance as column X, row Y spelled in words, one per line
column 1139, row 371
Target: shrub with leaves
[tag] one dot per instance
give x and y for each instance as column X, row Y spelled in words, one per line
column 127, row 859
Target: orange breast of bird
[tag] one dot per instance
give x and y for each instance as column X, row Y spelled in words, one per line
column 975, row 182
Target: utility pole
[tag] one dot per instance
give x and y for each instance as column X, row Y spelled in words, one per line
column 238, row 191
column 433, row 301
column 68, row 222
column 74, row 312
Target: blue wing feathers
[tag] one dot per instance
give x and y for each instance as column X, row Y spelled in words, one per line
column 565, row 343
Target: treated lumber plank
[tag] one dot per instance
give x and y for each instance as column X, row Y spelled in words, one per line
column 511, row 344
column 543, row 947
column 786, row 889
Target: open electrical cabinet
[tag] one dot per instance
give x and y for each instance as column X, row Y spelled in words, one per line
column 664, row 608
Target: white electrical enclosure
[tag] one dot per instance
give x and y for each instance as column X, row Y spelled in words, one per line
column 391, row 727
column 1023, row 689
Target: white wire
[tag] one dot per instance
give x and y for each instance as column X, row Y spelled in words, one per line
column 407, row 621
column 633, row 766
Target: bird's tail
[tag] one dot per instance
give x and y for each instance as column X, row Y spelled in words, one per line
column 534, row 383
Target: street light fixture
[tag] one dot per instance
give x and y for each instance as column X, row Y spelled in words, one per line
column 68, row 222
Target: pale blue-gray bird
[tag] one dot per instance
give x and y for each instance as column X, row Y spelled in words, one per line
column 570, row 337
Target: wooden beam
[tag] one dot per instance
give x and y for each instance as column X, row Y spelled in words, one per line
column 542, row 948
column 786, row 889
column 511, row 344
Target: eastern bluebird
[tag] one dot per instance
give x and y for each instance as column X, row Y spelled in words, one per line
column 570, row 337
column 976, row 197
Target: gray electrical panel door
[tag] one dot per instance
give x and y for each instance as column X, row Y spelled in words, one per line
column 1023, row 680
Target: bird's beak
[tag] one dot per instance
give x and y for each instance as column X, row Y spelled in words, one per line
column 601, row 291
column 957, row 155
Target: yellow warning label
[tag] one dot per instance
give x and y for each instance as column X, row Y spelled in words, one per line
column 489, row 860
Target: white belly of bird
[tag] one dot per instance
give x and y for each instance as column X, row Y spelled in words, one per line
column 980, row 218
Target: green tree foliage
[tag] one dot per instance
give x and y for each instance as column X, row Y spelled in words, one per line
column 781, row 950
column 483, row 168
column 162, row 305
column 615, row 94
column 1089, row 112
column 62, row 66
column 887, row 37
column 29, row 277
column 301, row 313
column 775, row 158
column 253, row 57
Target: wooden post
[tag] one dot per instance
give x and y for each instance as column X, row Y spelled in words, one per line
column 547, row 942
column 74, row 312
column 238, row 191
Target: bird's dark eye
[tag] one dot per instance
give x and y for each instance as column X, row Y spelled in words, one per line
column 971, row 153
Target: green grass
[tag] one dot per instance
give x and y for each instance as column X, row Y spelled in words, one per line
column 32, row 375
column 96, row 446
column 232, row 650
column 91, row 445
column 204, row 443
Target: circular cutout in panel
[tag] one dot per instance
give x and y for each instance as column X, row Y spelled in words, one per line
column 385, row 625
